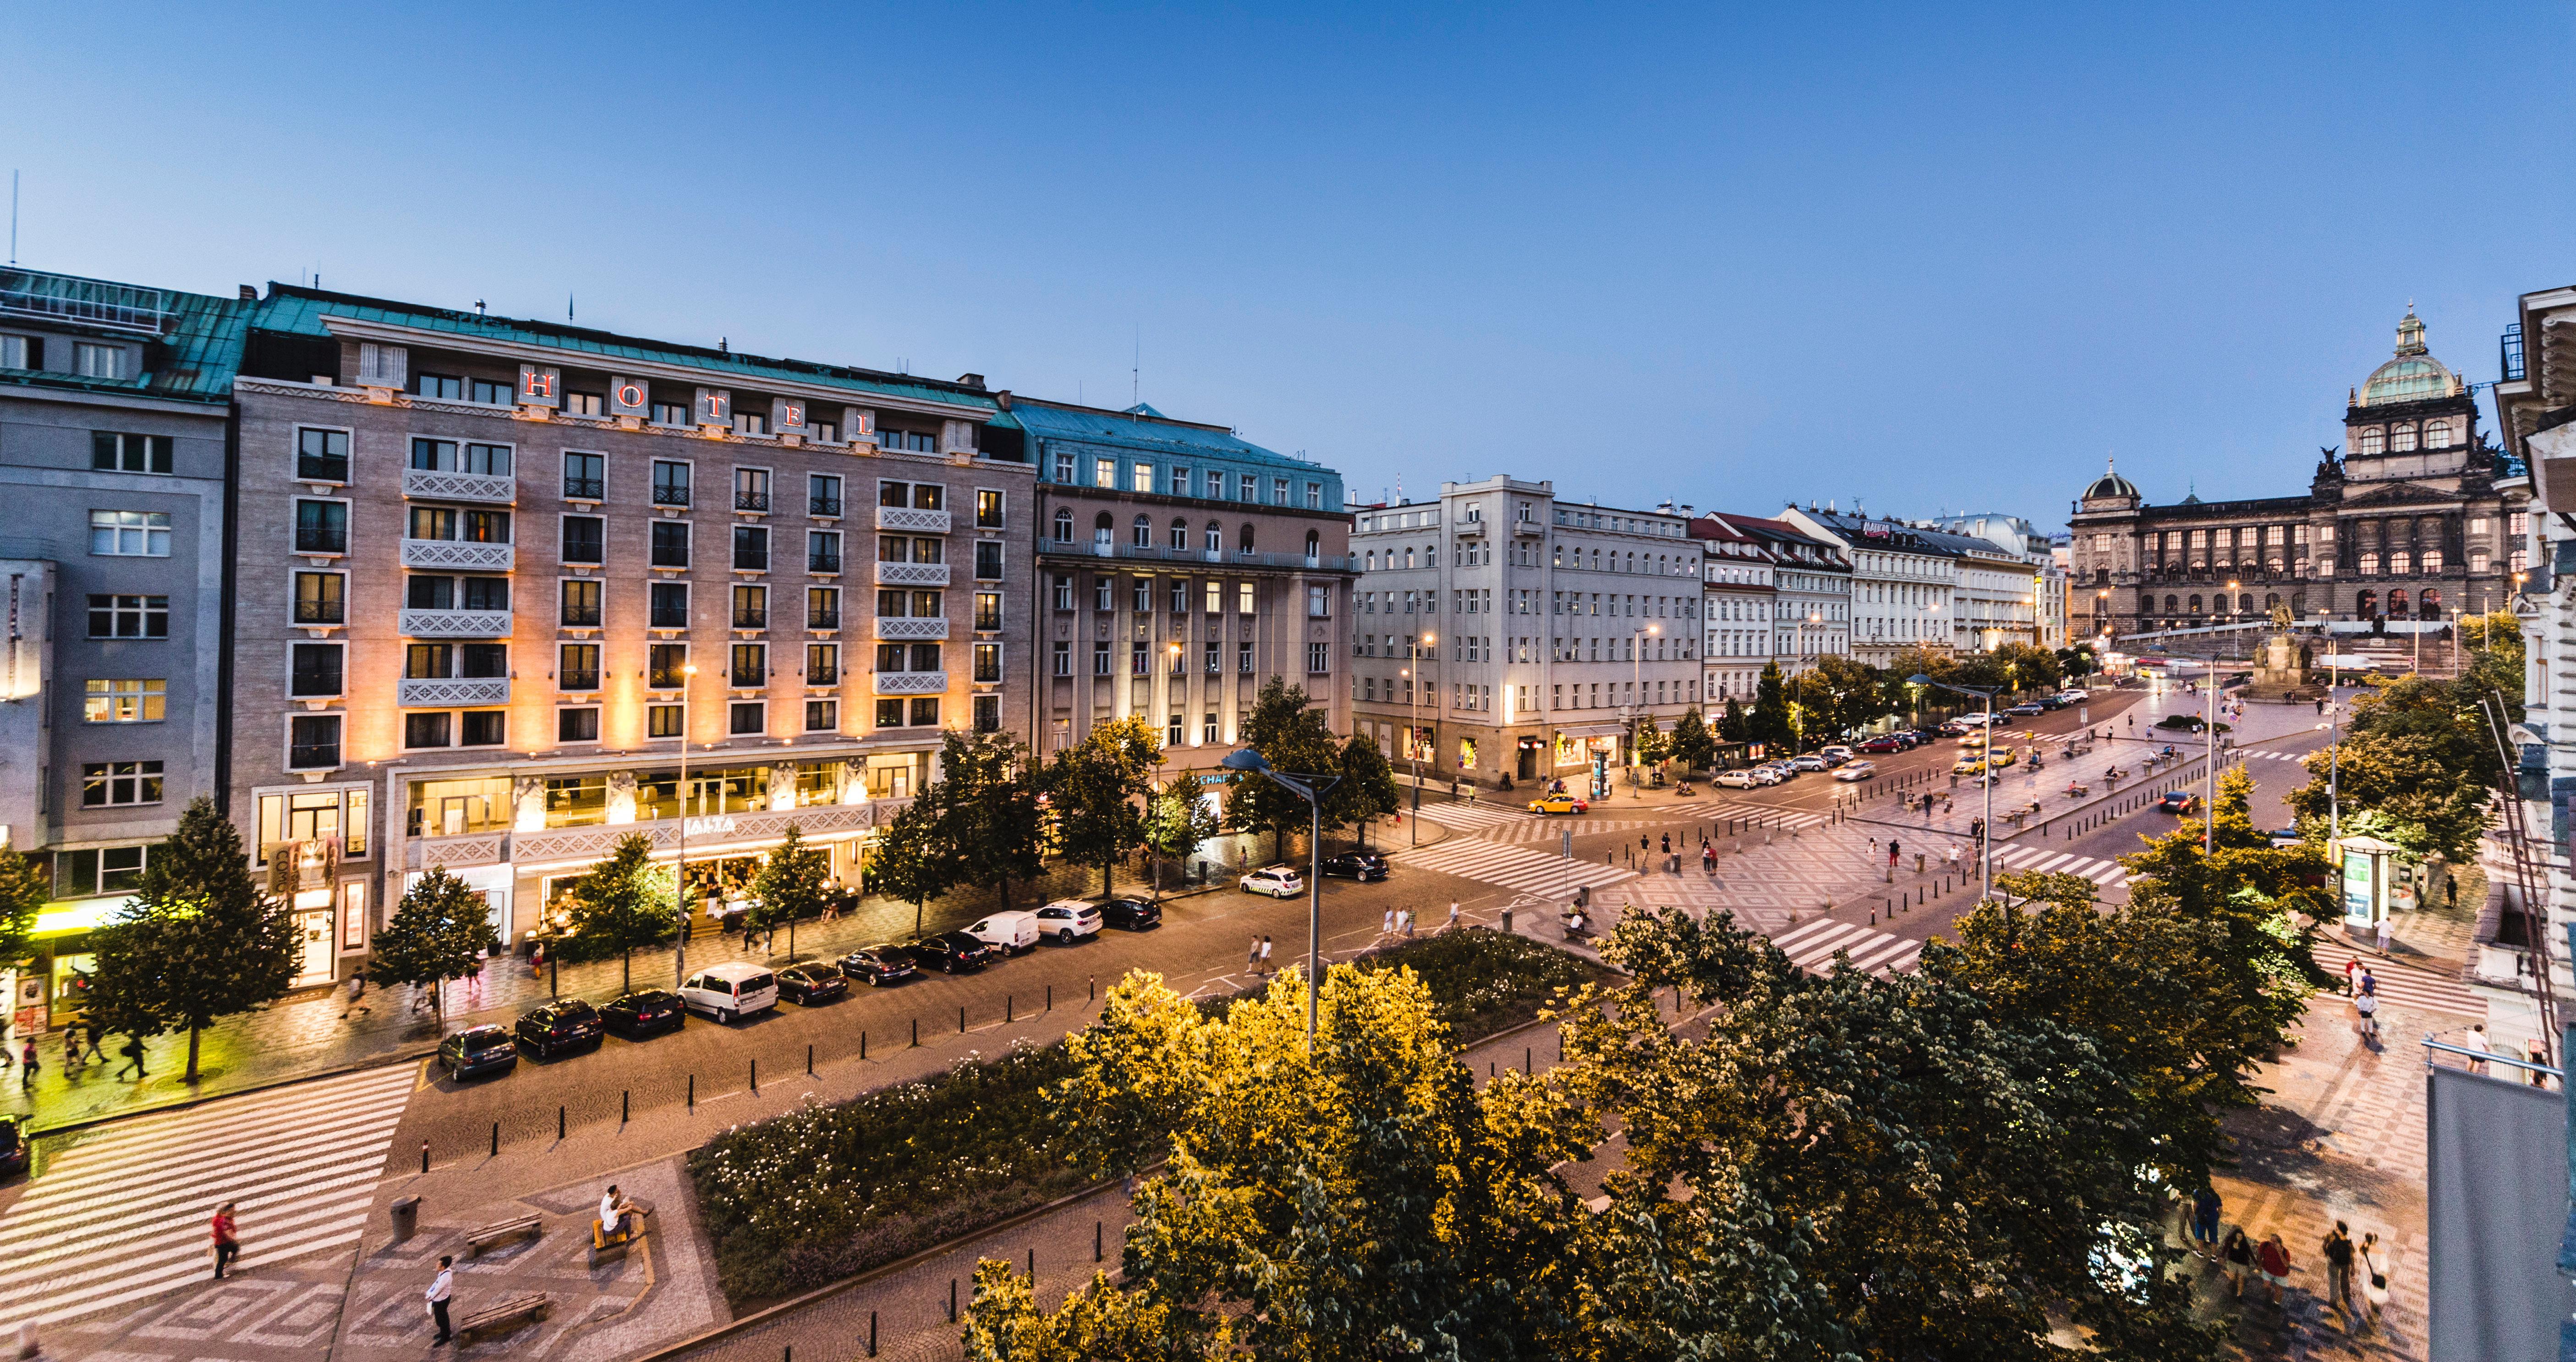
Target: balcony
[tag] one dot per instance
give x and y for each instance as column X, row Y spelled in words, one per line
column 912, row 683
column 899, row 629
column 446, row 692
column 751, row 501
column 823, row 506
column 466, row 554
column 436, row 484
column 822, row 621
column 1232, row 558
column 670, row 496
column 456, row 623
column 585, row 489
column 912, row 574
column 823, row 563
column 913, row 519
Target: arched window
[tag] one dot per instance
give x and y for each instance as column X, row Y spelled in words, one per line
column 2370, row 564
column 1243, row 541
column 2437, row 435
column 2366, row 605
column 1180, row 535
column 1314, row 546
column 2147, row 603
column 2430, row 603
column 2101, row 576
column 1368, row 561
column 2245, row 604
column 1101, row 533
column 2369, row 441
column 1063, row 525
column 2271, row 600
column 2400, row 562
column 1215, row 537
column 2195, row 605
column 2397, row 605
column 1143, row 533
column 2400, row 440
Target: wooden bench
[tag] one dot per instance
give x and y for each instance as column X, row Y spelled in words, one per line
column 502, row 1318
column 525, row 1226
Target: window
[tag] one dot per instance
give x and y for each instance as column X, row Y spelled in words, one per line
column 670, row 483
column 1137, row 654
column 2401, row 439
column 988, row 662
column 669, row 605
column 1063, row 665
column 146, row 534
column 585, row 539
column 1062, row 591
column 750, row 488
column 2437, row 435
column 1173, row 731
column 585, row 478
column 1063, row 526
column 1243, row 658
column 1140, row 594
column 22, row 352
column 483, row 728
column 577, row 725
column 1278, row 491
column 1215, row 593
column 1248, row 488
column 1141, row 534
column 113, row 453
column 988, row 610
column 670, row 544
column 746, row 717
column 585, row 404
column 1100, row 657
column 988, row 509
column 98, row 870
column 1180, row 482
column 750, row 548
column 822, row 664
column 1319, row 658
column 1214, row 657
column 1243, row 598
column 750, row 665
column 1104, row 473
column 1315, row 495
column 116, row 616
column 315, row 670
column 577, row 667
column 665, row 721
column 750, row 423
column 988, row 560
column 427, row 730
column 444, row 387
column 98, row 361
column 822, row 716
column 126, row 701
column 925, row 711
column 1140, row 477
column 666, row 666
column 1319, row 602
column 822, row 551
column 106, row 784
column 491, row 392
column 313, row 744
column 751, row 607
column 1064, row 469
column 1101, row 587
column 822, row 607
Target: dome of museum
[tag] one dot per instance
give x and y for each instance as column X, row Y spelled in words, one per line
column 2413, row 375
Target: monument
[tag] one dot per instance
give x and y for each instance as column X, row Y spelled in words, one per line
column 2281, row 662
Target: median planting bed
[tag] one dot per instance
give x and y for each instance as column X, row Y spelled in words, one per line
column 828, row 1192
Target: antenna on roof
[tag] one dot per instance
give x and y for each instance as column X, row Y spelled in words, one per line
column 1136, row 369
column 478, row 303
column 567, row 307
column 13, row 217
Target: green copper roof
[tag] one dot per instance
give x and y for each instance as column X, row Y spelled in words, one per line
column 192, row 342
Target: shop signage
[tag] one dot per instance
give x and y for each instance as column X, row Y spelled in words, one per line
column 713, row 825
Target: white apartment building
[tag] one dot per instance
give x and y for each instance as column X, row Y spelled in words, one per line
column 1511, row 634
column 1737, row 599
column 2012, row 588
column 1903, row 586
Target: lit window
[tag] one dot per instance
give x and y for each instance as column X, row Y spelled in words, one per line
column 130, row 534
column 124, row 701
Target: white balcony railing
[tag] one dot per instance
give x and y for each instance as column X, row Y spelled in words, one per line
column 912, row 574
column 456, row 623
column 913, row 519
column 462, row 553
column 911, row 630
column 442, row 692
column 439, row 485
column 912, row 683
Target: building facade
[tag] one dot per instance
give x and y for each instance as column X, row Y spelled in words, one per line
column 1738, row 598
column 508, row 592
column 1898, row 585
column 2014, row 592
column 114, row 407
column 1552, row 627
column 2413, row 521
column 1179, row 567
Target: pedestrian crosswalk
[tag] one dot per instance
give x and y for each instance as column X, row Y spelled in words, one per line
column 123, row 1214
column 1511, row 867
column 2271, row 756
column 2399, row 985
column 1474, row 815
column 1813, row 947
column 1760, row 815
column 2038, row 857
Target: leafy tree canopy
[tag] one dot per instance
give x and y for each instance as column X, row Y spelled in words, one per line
column 1096, row 790
column 433, row 934
column 218, row 942
column 624, row 902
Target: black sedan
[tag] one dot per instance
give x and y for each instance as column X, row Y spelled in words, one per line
column 2025, row 709
column 2178, row 802
column 879, row 965
column 646, row 1012
column 949, row 953
column 477, row 1050
column 1363, row 866
column 564, row 1024
column 1130, row 915
column 811, row 984
column 13, row 1144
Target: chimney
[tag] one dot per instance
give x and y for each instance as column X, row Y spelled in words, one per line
column 1003, row 398
column 971, row 380
column 249, row 293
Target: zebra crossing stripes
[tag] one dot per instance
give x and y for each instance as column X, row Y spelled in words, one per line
column 1511, row 867
column 122, row 1215
column 2270, row 756
column 1473, row 815
column 1766, row 815
column 1812, row 947
column 2106, row 874
column 2400, row 986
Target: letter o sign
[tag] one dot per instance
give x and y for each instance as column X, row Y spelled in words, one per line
column 630, row 394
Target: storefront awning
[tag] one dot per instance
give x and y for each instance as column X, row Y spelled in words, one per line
column 1592, row 731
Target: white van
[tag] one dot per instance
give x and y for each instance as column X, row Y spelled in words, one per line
column 733, row 989
column 1011, row 933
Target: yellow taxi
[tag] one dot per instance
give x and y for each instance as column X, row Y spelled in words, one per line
column 1968, row 766
column 2002, row 757
column 1559, row 804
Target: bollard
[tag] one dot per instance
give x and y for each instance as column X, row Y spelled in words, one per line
column 872, row 1333
column 1033, row 1267
column 1050, row 998
column 693, row 1092
column 755, row 1077
column 1095, row 1241
column 625, row 1105
column 496, row 1139
column 809, row 1061
column 559, row 1124
column 863, row 1045
column 406, row 1218
column 1490, row 1070
column 952, row 1300
column 1093, row 991
column 424, row 1156
column 1527, row 1065
column 961, row 1020
column 1010, row 1009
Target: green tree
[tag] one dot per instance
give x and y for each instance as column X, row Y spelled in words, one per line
column 2492, row 663
column 2077, row 662
column 1734, row 725
column 23, row 892
column 219, row 944
column 1367, row 790
column 2399, row 734
column 1650, row 743
column 1289, row 733
column 1177, row 819
column 1692, row 745
column 912, row 863
column 125, row 983
column 1097, row 789
column 990, row 815
column 790, row 886
column 622, row 903
column 432, row 937
column 1770, row 722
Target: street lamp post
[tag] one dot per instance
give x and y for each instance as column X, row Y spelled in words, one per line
column 1986, row 842
column 680, row 873
column 1637, row 689
column 1413, row 725
column 1307, row 788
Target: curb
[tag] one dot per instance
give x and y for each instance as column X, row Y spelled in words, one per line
column 182, row 1104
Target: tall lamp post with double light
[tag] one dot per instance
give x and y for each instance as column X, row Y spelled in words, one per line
column 1986, row 842
column 1637, row 690
column 680, row 872
column 1413, row 723
column 1310, row 788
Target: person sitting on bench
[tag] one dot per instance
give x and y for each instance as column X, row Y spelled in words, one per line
column 614, row 1212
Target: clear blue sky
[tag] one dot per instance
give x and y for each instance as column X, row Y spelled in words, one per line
column 1933, row 258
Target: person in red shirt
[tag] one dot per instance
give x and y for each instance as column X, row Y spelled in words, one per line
column 227, row 1243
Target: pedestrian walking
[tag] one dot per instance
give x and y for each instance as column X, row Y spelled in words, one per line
column 2273, row 1258
column 71, row 1049
column 474, row 982
column 537, row 961
column 1891, row 853
column 91, row 1053
column 2368, row 1006
column 1252, row 955
column 2338, row 1254
column 1950, row 857
column 1453, row 916
column 227, row 1239
column 441, row 1287
column 1668, row 844
column 1265, row 955
column 2374, row 1283
column 1873, row 846
column 2369, row 983
column 1708, row 859
column 2236, row 1259
column 358, row 990
column 133, row 1052
column 1386, row 927
column 2351, row 967
column 2204, row 1221
column 2476, row 1040
column 27, row 1066
column 2387, row 927
column 1404, row 918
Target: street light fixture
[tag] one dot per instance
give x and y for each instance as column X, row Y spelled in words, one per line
column 1310, row 788
column 1413, row 722
column 1986, row 841
column 680, row 873
column 1636, row 690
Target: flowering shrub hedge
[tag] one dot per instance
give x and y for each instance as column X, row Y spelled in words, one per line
column 828, row 1192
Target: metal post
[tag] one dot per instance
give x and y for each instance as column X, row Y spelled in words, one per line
column 680, row 873
column 1314, row 909
column 2209, row 715
column 1986, row 844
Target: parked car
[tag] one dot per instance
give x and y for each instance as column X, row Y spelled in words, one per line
column 13, row 1144
column 813, row 983
column 478, row 1050
column 949, row 953
column 1363, row 866
column 1559, row 804
column 736, row 988
column 1973, row 719
column 2002, row 757
column 1925, row 737
column 564, row 1024
column 1130, row 915
column 1836, row 752
column 1067, row 919
column 644, row 1012
column 1810, row 761
column 1857, row 771
column 2284, row 837
column 1784, row 770
column 879, row 965
column 1278, row 881
column 2178, row 802
column 1743, row 778
column 1951, row 728
column 1888, row 742
column 1011, row 933
column 2025, row 709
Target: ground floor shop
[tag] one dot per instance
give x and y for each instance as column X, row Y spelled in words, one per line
column 1504, row 756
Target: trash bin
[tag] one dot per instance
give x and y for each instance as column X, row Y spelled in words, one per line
column 406, row 1216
